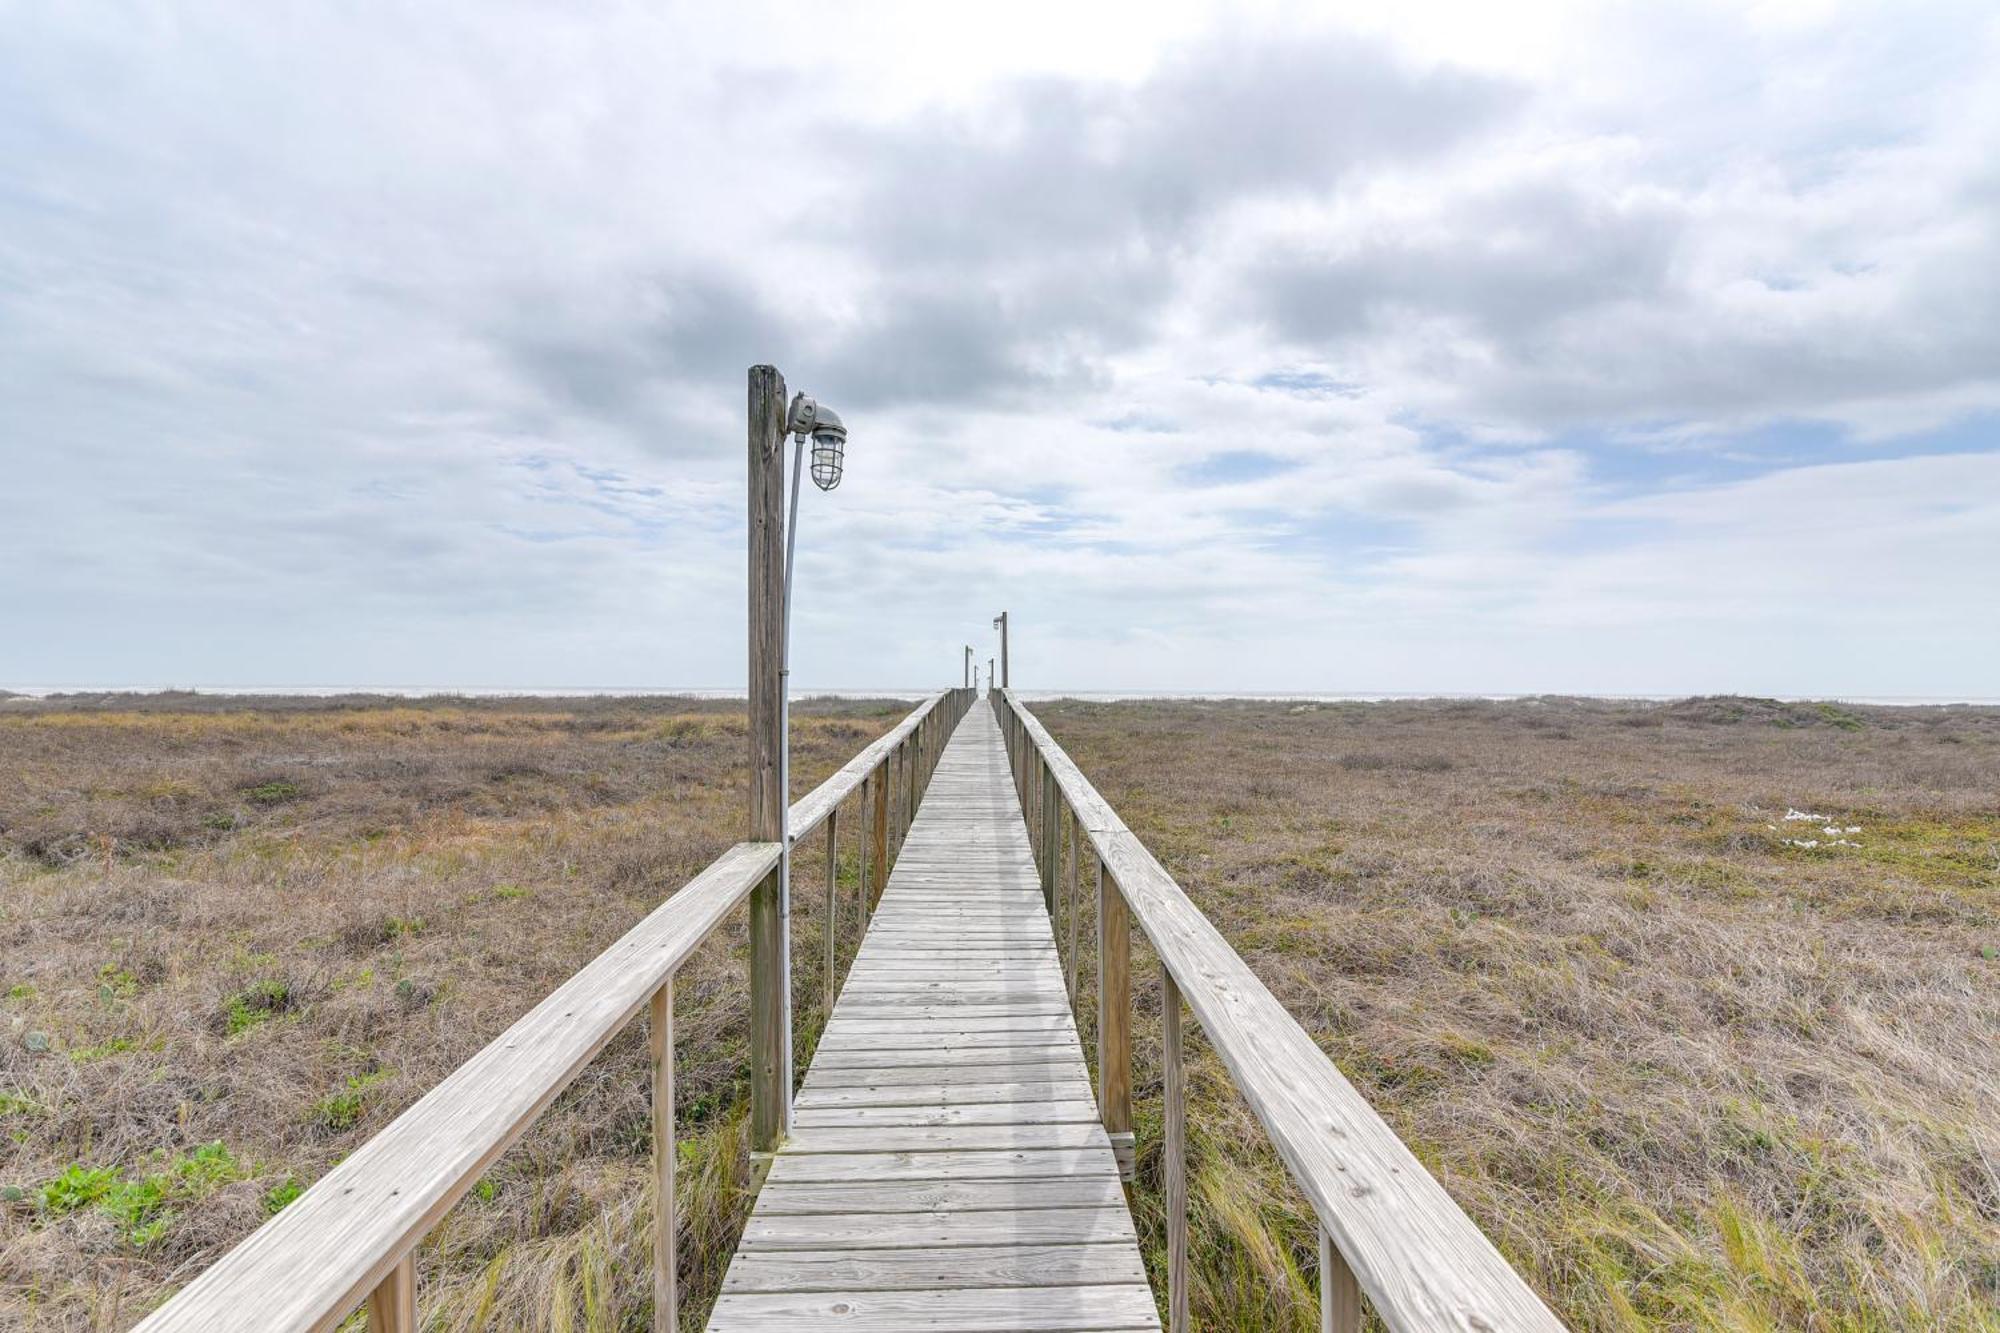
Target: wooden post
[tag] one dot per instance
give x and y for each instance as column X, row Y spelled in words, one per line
column 1114, row 1019
column 1065, row 875
column 1006, row 676
column 906, row 811
column 832, row 900
column 770, row 986
column 1075, row 898
column 881, row 857
column 666, row 1224
column 1051, row 838
column 1339, row 1293
column 392, row 1306
column 1173, row 1161
column 867, row 809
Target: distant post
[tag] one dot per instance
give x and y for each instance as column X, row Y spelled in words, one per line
column 770, row 983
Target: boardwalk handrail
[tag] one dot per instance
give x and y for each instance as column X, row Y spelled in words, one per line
column 350, row 1237
column 1405, row 1242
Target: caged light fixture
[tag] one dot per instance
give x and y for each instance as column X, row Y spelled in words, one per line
column 829, row 439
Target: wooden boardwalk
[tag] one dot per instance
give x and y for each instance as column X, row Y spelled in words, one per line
column 947, row 1168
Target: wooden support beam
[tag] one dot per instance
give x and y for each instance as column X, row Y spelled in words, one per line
column 1339, row 1293
column 1075, row 899
column 881, row 822
column 1173, row 1161
column 666, row 1223
column 1051, row 837
column 770, row 987
column 392, row 1306
column 862, row 850
column 1114, row 1019
column 832, row 897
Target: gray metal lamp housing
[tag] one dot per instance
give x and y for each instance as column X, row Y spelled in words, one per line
column 829, row 437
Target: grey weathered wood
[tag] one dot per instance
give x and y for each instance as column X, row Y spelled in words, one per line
column 392, row 1306
column 1114, row 1017
column 867, row 1196
column 866, row 908
column 666, row 1225
column 1108, row 1224
column 1339, row 1296
column 1075, row 900
column 1173, row 1160
column 948, row 1104
column 312, row 1264
column 1051, row 840
column 965, row 1310
column 881, row 829
column 1419, row 1259
column 770, row 980
column 832, row 898
column 1013, row 1263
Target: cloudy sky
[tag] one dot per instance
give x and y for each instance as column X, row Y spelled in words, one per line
column 1611, row 348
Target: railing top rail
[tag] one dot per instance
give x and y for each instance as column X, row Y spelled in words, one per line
column 810, row 810
column 1423, row 1263
column 308, row 1267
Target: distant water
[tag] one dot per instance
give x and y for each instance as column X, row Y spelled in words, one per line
column 917, row 692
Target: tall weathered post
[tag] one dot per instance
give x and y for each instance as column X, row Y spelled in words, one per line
column 1006, row 677
column 770, row 968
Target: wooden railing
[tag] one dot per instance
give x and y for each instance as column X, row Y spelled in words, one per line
column 1388, row 1229
column 350, row 1239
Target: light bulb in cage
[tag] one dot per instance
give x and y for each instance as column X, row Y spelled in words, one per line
column 829, row 451
column 829, row 437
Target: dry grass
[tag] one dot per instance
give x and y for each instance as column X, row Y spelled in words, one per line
column 1686, row 1074
column 272, row 925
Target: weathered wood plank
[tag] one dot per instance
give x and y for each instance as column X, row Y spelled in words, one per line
column 946, row 1135
column 926, row 1196
column 968, row 1310
column 899, row 1231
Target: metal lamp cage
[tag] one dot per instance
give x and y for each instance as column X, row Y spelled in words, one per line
column 829, row 455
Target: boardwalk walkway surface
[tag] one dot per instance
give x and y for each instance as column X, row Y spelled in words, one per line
column 946, row 1167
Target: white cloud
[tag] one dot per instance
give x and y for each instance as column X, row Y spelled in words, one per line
column 1443, row 348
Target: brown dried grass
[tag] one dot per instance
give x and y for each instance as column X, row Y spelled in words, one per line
column 276, row 923
column 1685, row 1074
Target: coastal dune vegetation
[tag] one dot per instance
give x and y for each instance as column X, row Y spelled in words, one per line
column 1694, row 1007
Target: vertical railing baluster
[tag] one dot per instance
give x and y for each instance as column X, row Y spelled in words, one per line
column 1114, row 1019
column 1173, row 1162
column 832, row 900
column 1339, row 1293
column 1076, row 845
column 666, row 1222
column 392, row 1306
column 881, row 885
column 867, row 797
column 1051, row 838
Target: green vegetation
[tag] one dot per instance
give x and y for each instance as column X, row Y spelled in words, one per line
column 257, row 1003
column 143, row 1205
column 343, row 1110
